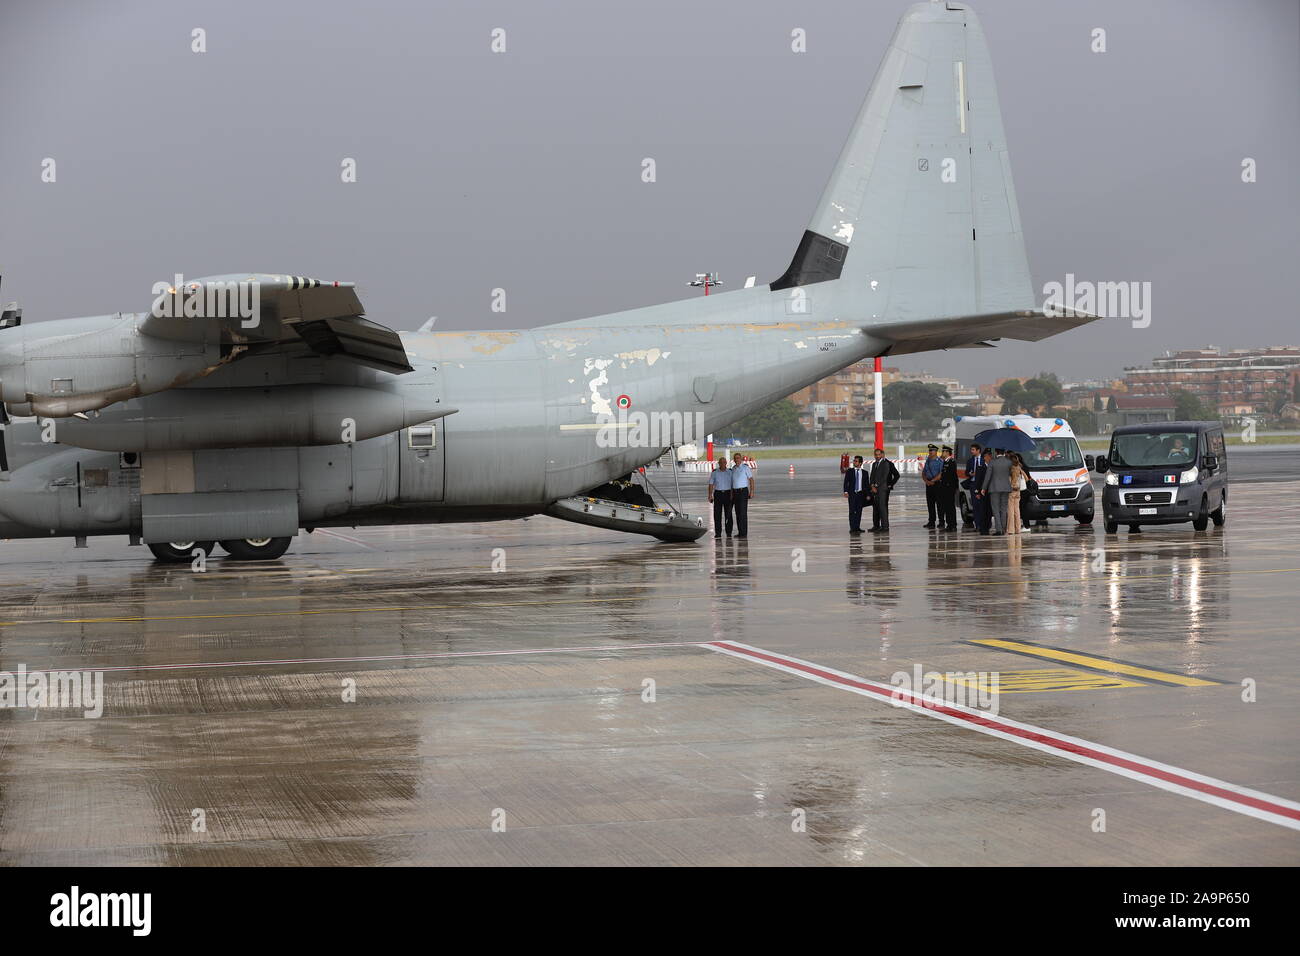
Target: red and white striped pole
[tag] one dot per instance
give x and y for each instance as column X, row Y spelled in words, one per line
column 880, row 406
column 709, row 449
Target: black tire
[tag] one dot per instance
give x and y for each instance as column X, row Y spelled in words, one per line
column 1220, row 514
column 1135, row 529
column 967, row 516
column 180, row 552
column 1112, row 527
column 256, row 549
column 1083, row 519
column 1202, row 519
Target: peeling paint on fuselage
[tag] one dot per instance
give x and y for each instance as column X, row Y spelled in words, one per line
column 547, row 418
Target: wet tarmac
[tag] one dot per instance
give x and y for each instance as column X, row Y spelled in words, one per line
column 417, row 696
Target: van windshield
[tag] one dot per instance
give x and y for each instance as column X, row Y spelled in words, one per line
column 1054, row 453
column 1148, row 449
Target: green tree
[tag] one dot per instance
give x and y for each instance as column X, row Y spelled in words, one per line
column 917, row 402
column 778, row 422
column 1111, row 405
column 1039, row 395
column 1012, row 394
column 1082, row 421
column 1189, row 408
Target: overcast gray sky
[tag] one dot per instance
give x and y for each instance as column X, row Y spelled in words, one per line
column 522, row 170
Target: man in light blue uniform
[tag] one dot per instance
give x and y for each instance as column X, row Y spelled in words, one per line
column 930, row 473
column 742, row 489
column 720, row 496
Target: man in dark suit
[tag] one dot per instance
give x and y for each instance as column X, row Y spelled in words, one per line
column 976, row 467
column 980, row 499
column 883, row 478
column 948, row 491
column 856, row 486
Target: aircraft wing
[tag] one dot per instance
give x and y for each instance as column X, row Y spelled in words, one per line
column 259, row 311
column 975, row 331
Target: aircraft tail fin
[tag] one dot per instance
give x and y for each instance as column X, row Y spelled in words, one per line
column 919, row 219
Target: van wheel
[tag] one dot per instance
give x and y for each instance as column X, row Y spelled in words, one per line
column 180, row 552
column 1220, row 514
column 1202, row 519
column 256, row 549
column 1112, row 527
column 967, row 516
column 1083, row 519
column 1135, row 529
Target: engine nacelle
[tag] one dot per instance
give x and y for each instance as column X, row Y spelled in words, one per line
column 284, row 416
column 67, row 366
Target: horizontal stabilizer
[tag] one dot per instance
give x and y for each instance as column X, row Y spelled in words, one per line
column 973, row 330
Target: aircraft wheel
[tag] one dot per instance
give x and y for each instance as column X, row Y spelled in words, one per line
column 256, row 549
column 180, row 552
column 1220, row 514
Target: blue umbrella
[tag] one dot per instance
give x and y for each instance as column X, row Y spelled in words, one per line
column 1008, row 439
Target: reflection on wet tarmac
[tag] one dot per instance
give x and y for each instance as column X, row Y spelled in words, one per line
column 525, row 690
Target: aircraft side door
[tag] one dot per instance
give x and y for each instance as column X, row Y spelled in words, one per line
column 421, row 454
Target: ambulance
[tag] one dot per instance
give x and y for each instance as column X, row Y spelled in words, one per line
column 1064, row 485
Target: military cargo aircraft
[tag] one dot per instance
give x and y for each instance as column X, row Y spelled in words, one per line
column 242, row 408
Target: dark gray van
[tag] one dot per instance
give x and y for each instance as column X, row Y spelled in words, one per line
column 1165, row 473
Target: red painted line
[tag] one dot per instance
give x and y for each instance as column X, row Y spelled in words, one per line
column 1038, row 736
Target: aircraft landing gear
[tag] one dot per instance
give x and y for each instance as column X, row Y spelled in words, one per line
column 177, row 552
column 256, row 549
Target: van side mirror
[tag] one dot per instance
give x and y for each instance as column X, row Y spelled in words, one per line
column 1102, row 464
column 1211, row 462
column 1090, row 462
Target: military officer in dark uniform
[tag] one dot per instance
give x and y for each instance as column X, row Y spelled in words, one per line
column 947, row 487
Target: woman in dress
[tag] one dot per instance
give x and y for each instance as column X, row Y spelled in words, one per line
column 1019, row 477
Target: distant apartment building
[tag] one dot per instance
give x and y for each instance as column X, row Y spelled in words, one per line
column 1137, row 410
column 1090, row 394
column 843, row 406
column 845, row 396
column 1239, row 381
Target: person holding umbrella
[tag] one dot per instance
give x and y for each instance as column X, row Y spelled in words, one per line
column 1006, row 440
column 997, row 486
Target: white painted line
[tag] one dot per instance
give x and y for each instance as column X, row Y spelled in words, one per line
column 1220, row 793
column 379, row 658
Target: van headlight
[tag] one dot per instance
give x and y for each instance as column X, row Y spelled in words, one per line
column 1112, row 478
column 1187, row 477
column 1084, row 479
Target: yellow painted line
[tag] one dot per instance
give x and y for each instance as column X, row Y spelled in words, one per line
column 1052, row 679
column 1095, row 663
